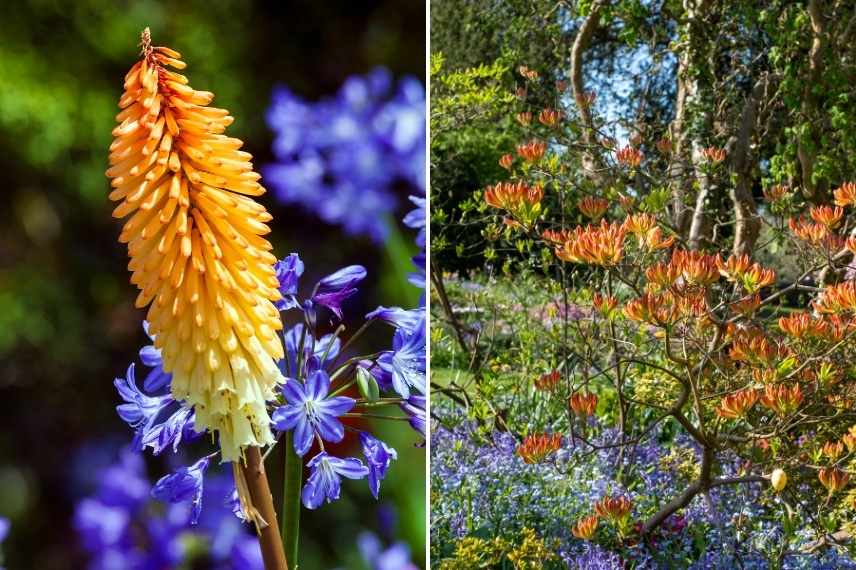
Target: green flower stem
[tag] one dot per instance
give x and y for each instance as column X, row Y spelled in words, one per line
column 290, row 526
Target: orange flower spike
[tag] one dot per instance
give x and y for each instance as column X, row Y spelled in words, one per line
column 736, row 405
column 781, row 399
column 593, row 207
column 586, row 527
column 615, row 509
column 629, row 157
column 524, row 118
column 654, row 241
column 827, row 216
column 506, row 161
column 536, row 448
column 549, row 117
column 833, row 478
column 583, row 404
column 833, row 450
column 197, row 255
column 547, row 382
column 845, row 195
column 532, row 151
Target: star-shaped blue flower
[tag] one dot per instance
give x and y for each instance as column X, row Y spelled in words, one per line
column 407, row 364
column 308, row 411
column 325, row 479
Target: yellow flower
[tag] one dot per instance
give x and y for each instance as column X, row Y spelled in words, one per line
column 197, row 255
column 778, row 479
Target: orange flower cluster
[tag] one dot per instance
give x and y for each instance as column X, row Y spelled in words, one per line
column 851, row 244
column 695, row 267
column 557, row 237
column 662, row 276
column 629, row 157
column 833, row 450
column 817, row 234
column 650, row 308
column 595, row 244
column 833, row 478
column 845, row 195
column 512, row 196
column 586, row 527
column 713, row 154
column 547, row 382
column 593, row 207
column 615, row 509
column 736, row 405
column 753, row 277
column 605, row 305
column 586, row 99
column 536, row 448
column 530, row 74
column 837, row 298
column 549, row 117
column 827, row 216
column 532, row 151
column 746, row 305
column 753, row 347
column 197, row 255
column 803, row 326
column 648, row 234
column 524, row 118
column 849, row 439
column 583, row 404
column 775, row 193
column 506, row 161
column 781, row 399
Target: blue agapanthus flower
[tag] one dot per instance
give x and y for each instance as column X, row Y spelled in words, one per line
column 325, row 479
column 407, row 364
column 158, row 421
column 378, row 458
column 330, row 292
column 340, row 157
column 184, row 484
column 414, row 407
column 309, row 411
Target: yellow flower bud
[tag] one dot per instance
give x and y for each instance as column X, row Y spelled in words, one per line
column 778, row 479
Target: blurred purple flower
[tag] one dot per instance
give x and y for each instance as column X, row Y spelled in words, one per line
column 396, row 557
column 340, row 157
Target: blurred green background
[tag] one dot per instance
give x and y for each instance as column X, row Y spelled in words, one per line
column 67, row 321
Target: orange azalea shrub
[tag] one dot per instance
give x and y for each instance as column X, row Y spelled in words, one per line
column 751, row 345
